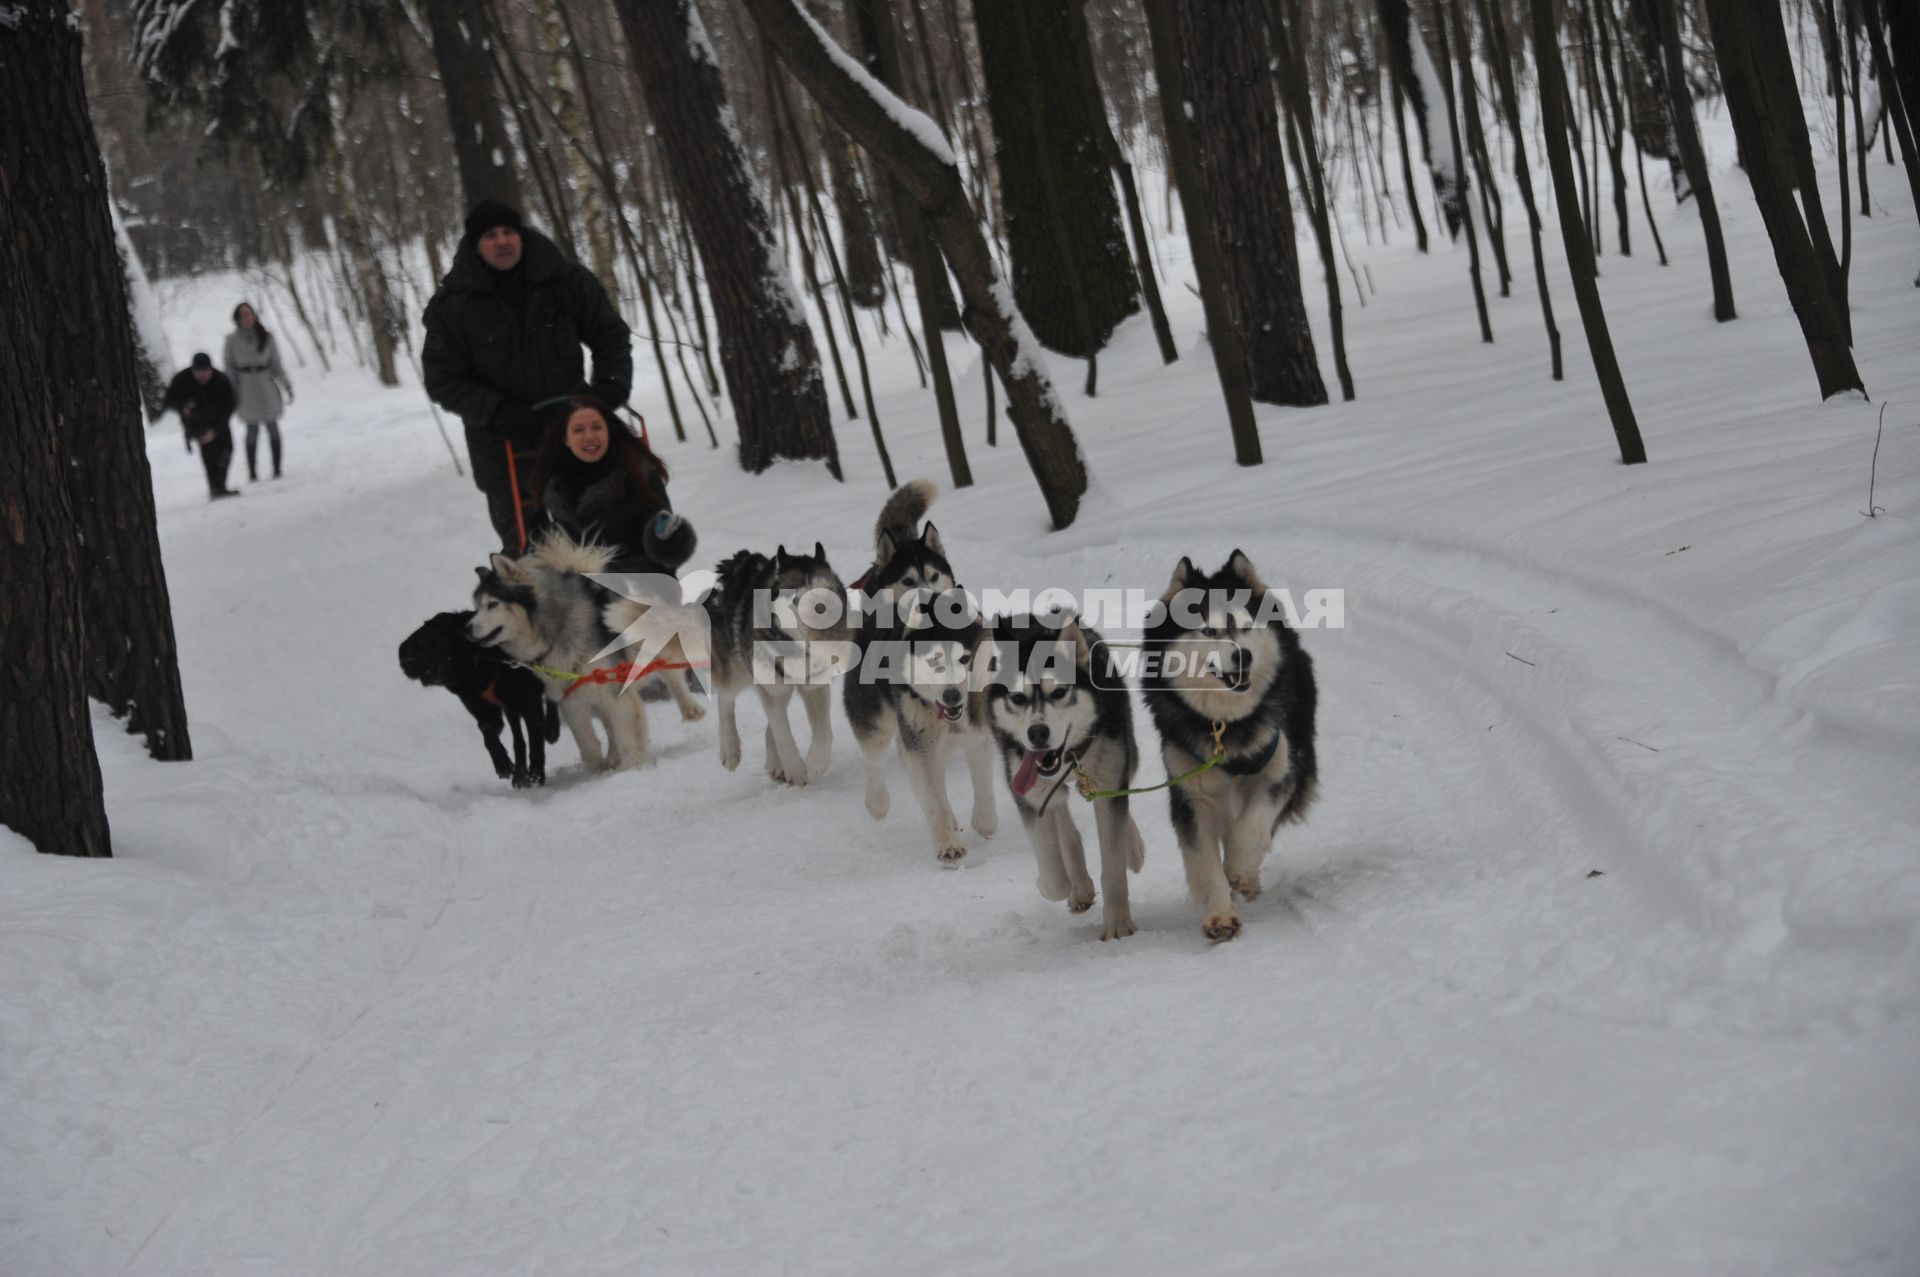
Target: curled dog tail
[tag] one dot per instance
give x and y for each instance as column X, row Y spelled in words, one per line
column 901, row 515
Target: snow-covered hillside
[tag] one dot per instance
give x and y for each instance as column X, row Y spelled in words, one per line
column 1600, row 954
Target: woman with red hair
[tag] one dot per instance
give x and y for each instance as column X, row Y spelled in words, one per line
column 598, row 482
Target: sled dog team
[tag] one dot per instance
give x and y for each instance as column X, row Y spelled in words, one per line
column 1236, row 728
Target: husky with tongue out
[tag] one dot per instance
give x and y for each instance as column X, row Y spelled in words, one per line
column 1059, row 710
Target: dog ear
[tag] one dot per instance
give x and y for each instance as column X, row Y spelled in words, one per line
column 779, row 557
column 1075, row 638
column 930, row 537
column 506, row 569
column 886, row 546
column 1241, row 566
column 1182, row 575
column 819, row 554
column 483, row 573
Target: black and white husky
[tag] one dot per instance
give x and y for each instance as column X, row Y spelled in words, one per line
column 1220, row 664
column 1058, row 706
column 777, row 624
column 544, row 612
column 915, row 681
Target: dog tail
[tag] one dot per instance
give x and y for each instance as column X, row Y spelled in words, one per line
column 561, row 552
column 902, row 513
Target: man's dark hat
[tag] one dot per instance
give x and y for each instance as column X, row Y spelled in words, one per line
column 202, row 360
column 488, row 214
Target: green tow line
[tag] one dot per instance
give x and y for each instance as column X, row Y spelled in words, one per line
column 1088, row 792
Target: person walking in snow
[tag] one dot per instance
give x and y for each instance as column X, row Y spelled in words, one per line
column 204, row 398
column 253, row 365
column 503, row 347
column 598, row 481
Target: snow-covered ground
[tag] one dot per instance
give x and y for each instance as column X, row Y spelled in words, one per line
column 344, row 1003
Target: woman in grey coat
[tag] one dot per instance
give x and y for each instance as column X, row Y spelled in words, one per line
column 253, row 365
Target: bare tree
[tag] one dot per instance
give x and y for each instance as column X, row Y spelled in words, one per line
column 479, row 131
column 909, row 146
column 1228, row 99
column 1223, row 331
column 767, row 351
column 1072, row 275
column 50, row 789
column 1573, row 233
column 1763, row 100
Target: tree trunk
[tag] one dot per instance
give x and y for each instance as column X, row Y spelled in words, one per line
column 1694, row 156
column 131, row 666
column 866, row 284
column 1117, row 161
column 1462, row 218
column 767, row 350
column 480, row 142
column 1223, row 333
column 1072, row 275
column 1420, row 87
column 50, row 791
column 377, row 302
column 570, row 93
column 931, row 293
column 1406, row 162
column 853, row 203
column 1502, row 63
column 1291, row 70
column 1763, row 101
column 1898, row 88
column 1573, row 233
column 908, row 145
column 1650, row 102
column 1229, row 102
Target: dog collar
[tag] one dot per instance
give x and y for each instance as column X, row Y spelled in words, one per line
column 1250, row 766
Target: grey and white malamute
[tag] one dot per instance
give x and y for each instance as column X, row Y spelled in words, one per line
column 542, row 611
column 803, row 606
column 1058, row 706
column 915, row 682
column 1221, row 665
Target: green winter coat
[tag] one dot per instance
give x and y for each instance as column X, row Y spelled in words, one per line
column 482, row 352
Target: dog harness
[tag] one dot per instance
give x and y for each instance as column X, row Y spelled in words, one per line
column 622, row 673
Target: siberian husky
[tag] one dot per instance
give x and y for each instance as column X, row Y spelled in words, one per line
column 1242, row 681
column 1059, row 709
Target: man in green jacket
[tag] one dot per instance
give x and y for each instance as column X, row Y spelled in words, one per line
column 504, row 334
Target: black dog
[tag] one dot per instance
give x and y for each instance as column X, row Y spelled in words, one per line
column 439, row 654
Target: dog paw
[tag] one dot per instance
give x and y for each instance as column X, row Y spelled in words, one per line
column 730, row 756
column 985, row 825
column 1221, row 926
column 522, row 781
column 818, row 762
column 692, row 712
column 877, row 803
column 1247, row 887
column 503, row 771
column 1117, row 928
column 951, row 853
column 1080, row 904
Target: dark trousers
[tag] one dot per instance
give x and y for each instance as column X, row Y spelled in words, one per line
column 500, row 502
column 216, row 457
column 253, row 446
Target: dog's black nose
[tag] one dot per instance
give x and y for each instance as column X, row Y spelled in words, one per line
column 951, row 696
column 1037, row 737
